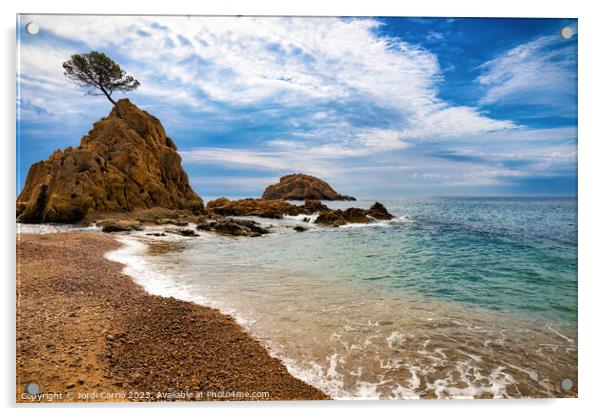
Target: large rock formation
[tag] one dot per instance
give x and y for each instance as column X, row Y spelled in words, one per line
column 300, row 187
column 122, row 165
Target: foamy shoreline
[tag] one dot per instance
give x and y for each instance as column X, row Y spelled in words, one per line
column 131, row 253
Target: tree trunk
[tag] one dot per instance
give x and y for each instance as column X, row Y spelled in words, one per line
column 112, row 101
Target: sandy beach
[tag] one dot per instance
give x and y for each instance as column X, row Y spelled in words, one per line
column 87, row 332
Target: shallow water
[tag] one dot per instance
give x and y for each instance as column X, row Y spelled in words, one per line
column 454, row 298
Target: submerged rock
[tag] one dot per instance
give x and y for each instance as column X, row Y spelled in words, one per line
column 301, row 187
column 122, row 165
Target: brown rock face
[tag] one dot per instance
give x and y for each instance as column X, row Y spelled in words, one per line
column 121, row 165
column 301, row 187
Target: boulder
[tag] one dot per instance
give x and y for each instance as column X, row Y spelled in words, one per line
column 172, row 221
column 252, row 207
column 356, row 215
column 276, row 208
column 122, row 165
column 112, row 226
column 311, row 206
column 158, row 215
column 379, row 212
column 232, row 227
column 338, row 217
column 301, row 187
column 331, row 217
column 184, row 232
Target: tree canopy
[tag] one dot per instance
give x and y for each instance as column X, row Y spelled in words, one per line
column 100, row 74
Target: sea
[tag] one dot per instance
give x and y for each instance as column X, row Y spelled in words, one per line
column 453, row 298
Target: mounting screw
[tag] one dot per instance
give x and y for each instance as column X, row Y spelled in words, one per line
column 566, row 32
column 566, row 384
column 32, row 28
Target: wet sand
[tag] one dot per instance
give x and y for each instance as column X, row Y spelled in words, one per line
column 87, row 332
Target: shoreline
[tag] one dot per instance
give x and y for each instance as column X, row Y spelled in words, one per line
column 334, row 372
column 88, row 332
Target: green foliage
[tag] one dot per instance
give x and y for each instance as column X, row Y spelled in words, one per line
column 96, row 71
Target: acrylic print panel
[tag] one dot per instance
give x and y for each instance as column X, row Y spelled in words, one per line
column 277, row 208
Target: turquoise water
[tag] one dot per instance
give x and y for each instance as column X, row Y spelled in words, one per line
column 516, row 255
column 505, row 254
column 455, row 297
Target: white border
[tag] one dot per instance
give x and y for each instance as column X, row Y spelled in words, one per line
column 590, row 209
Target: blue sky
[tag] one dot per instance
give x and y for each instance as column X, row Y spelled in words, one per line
column 376, row 106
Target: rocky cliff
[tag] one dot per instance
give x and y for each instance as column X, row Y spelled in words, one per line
column 301, row 187
column 122, row 165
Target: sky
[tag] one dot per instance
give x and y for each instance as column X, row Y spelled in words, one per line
column 378, row 107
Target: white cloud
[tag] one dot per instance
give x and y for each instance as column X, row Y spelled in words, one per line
column 511, row 155
column 229, row 157
column 323, row 161
column 454, row 122
column 381, row 139
column 532, row 72
column 342, row 144
column 289, row 61
column 41, row 81
column 435, row 36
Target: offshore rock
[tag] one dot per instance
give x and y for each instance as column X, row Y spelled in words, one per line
column 301, row 187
